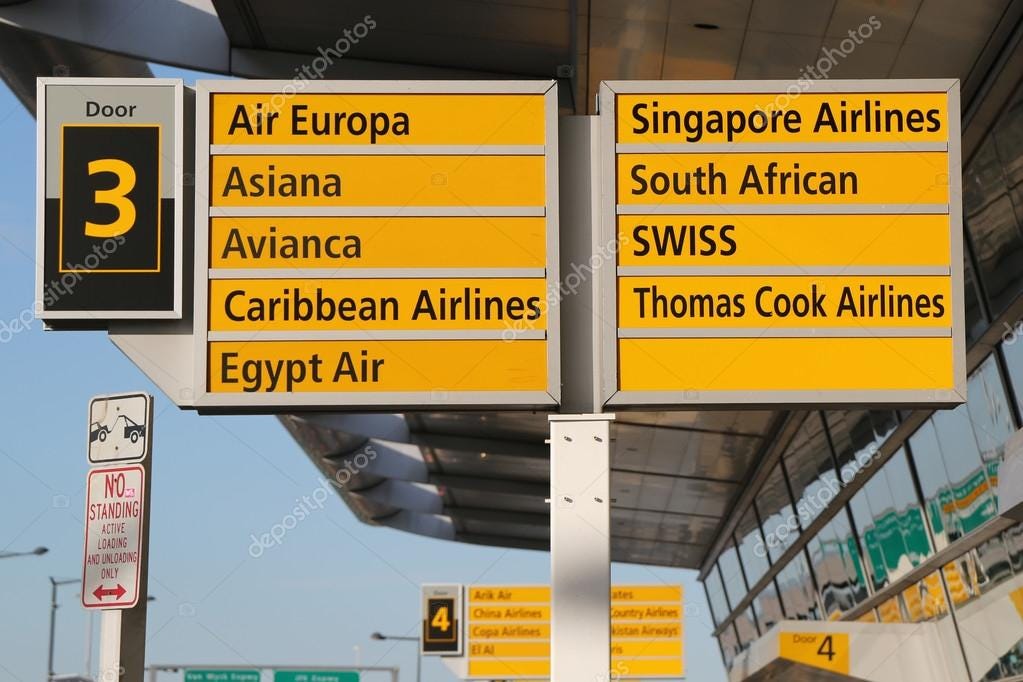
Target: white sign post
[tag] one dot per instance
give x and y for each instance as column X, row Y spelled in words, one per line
column 114, row 566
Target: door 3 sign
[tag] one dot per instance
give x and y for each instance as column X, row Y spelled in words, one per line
column 114, row 516
column 120, row 428
column 109, row 219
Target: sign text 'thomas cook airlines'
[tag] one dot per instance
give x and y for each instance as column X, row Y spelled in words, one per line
column 383, row 247
column 784, row 248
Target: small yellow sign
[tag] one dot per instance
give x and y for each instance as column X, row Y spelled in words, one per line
column 781, row 364
column 724, row 118
column 377, row 119
column 791, row 302
column 784, row 240
column 436, row 367
column 817, row 649
column 353, row 242
column 770, row 178
column 368, row 304
column 377, row 180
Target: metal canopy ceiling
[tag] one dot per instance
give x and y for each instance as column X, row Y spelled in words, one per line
column 483, row 477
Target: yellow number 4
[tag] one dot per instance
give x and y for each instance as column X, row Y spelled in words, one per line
column 116, row 197
column 441, row 620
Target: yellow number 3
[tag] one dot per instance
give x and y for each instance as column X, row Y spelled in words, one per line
column 116, row 197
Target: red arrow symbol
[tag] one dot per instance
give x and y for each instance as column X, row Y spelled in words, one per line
column 101, row 592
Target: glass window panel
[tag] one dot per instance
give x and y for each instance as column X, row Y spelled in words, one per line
column 716, row 596
column 731, row 575
column 852, row 563
column 868, row 617
column 857, row 437
column 1010, row 665
column 925, row 600
column 990, row 417
column 767, row 607
column 872, row 534
column 991, row 221
column 811, row 469
column 798, row 596
column 729, row 645
column 1013, row 539
column 956, row 474
column 890, row 611
column 836, row 563
column 1012, row 351
column 890, row 522
column 746, row 628
column 781, row 527
column 976, row 321
column 993, row 563
column 751, row 547
column 934, row 484
column 961, row 577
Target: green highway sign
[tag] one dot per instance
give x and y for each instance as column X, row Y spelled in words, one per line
column 221, row 676
column 316, row 676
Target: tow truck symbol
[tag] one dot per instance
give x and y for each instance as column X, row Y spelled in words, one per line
column 132, row 430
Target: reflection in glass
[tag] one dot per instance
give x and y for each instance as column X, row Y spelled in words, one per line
column 836, row 563
column 925, row 600
column 857, row 437
column 990, row 416
column 890, row 522
column 752, row 550
column 767, row 607
column 729, row 645
column 798, row 596
column 1012, row 351
column 890, row 611
column 781, row 527
column 1009, row 665
column 746, row 628
column 716, row 596
column 990, row 218
column 992, row 563
column 731, row 575
column 1013, row 539
column 811, row 469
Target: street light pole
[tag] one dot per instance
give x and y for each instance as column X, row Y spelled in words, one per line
column 401, row 638
column 54, row 584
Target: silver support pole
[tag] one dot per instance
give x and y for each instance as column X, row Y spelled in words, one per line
column 580, row 548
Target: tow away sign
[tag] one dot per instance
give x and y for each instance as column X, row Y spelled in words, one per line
column 114, row 515
column 120, row 428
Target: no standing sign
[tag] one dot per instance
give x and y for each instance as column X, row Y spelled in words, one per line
column 114, row 514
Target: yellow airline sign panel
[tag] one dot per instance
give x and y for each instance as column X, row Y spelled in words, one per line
column 509, row 631
column 384, row 244
column 782, row 246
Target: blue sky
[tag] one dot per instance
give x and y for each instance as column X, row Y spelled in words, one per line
column 216, row 482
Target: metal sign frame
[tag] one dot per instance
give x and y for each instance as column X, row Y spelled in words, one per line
column 180, row 206
column 411, row 400
column 606, row 367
